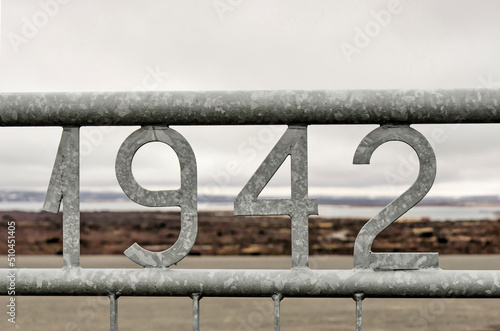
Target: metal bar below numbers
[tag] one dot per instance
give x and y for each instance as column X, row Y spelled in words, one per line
column 196, row 311
column 113, row 312
column 358, row 297
column 277, row 299
column 301, row 282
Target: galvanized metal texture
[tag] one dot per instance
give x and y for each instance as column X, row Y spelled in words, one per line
column 113, row 312
column 358, row 297
column 293, row 143
column 185, row 197
column 250, row 107
column 277, row 297
column 404, row 275
column 300, row 282
column 64, row 186
column 196, row 311
column 363, row 256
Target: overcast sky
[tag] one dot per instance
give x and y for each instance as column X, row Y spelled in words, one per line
column 105, row 45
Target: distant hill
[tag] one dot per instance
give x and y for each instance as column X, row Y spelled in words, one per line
column 85, row 196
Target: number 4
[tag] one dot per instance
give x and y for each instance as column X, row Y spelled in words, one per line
column 293, row 143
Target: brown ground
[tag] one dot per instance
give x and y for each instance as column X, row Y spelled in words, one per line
column 251, row 314
column 221, row 233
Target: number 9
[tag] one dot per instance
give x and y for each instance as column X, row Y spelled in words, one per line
column 185, row 197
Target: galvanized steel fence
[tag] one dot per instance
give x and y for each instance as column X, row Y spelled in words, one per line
column 374, row 275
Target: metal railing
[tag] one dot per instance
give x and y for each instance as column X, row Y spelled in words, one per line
column 374, row 275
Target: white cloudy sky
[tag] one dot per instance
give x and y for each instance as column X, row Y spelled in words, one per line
column 90, row 45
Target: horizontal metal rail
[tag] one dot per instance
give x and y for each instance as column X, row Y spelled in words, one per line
column 251, row 107
column 375, row 275
column 303, row 282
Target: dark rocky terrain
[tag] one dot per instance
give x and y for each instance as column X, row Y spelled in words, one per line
column 221, row 233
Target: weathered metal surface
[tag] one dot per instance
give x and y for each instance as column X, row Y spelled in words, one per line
column 358, row 297
column 277, row 297
column 363, row 256
column 250, row 107
column 293, row 143
column 113, row 312
column 404, row 275
column 196, row 311
column 185, row 197
column 301, row 282
column 64, row 186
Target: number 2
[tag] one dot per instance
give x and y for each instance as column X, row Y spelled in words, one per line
column 363, row 257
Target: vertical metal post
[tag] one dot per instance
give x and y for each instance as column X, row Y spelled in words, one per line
column 196, row 311
column 65, row 186
column 358, row 297
column 299, row 194
column 300, row 240
column 113, row 312
column 277, row 297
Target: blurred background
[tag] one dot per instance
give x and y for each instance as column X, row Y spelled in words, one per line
column 51, row 46
column 157, row 45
